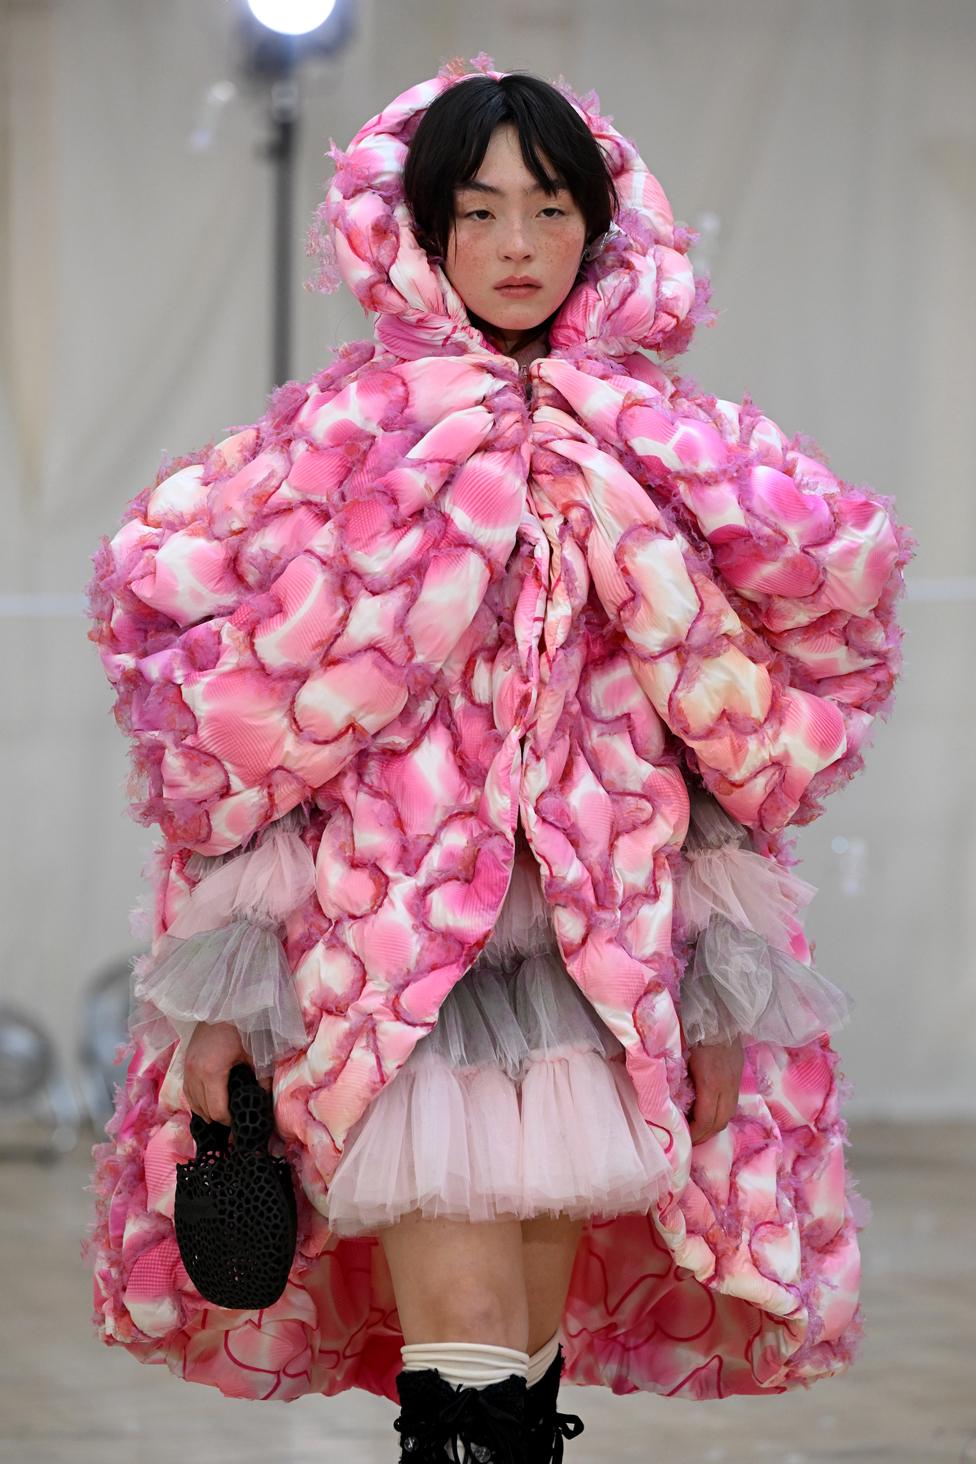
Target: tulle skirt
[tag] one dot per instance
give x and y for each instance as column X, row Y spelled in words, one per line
column 517, row 1103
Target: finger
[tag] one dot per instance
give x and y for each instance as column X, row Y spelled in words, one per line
column 217, row 1102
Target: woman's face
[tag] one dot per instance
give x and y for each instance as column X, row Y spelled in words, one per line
column 506, row 227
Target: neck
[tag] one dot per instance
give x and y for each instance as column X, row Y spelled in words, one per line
column 511, row 342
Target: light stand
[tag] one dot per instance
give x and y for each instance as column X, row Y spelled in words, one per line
column 273, row 58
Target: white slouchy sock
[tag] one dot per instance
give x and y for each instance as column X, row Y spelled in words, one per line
column 472, row 1364
column 539, row 1361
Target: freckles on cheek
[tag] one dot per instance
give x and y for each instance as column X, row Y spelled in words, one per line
column 466, row 262
column 562, row 261
column 565, row 249
column 474, row 257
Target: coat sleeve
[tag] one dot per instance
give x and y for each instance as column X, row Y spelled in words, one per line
column 815, row 562
column 816, row 567
column 775, row 702
column 269, row 607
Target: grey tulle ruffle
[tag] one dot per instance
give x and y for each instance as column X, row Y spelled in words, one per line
column 222, row 959
column 709, row 826
column 238, row 974
column 737, row 983
column 740, row 980
column 517, row 999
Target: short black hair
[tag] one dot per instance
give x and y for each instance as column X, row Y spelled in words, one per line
column 452, row 137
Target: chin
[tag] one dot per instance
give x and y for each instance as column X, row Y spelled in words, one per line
column 515, row 314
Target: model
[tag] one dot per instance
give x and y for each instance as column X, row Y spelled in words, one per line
column 474, row 689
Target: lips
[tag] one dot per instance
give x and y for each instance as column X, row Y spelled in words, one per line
column 518, row 291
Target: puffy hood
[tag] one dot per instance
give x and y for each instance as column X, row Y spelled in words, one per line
column 638, row 291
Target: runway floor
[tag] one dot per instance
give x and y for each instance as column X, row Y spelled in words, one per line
column 910, row 1399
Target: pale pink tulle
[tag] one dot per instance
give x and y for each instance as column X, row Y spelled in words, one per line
column 266, row 884
column 517, row 1102
column 738, row 983
column 524, row 926
column 747, row 888
column 473, row 1144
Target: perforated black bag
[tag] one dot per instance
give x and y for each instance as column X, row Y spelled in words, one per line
column 235, row 1213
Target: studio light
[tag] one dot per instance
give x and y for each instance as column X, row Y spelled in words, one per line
column 292, row 17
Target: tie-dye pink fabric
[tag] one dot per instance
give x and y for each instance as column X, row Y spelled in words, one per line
column 426, row 594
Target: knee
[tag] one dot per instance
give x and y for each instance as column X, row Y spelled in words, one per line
column 476, row 1313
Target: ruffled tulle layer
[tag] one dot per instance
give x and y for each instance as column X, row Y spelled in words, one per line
column 475, row 1145
column 741, row 979
column 517, row 1103
column 750, row 890
column 738, row 983
column 238, row 973
column 222, row 959
column 524, row 925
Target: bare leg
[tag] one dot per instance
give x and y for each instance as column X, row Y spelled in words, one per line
column 457, row 1281
column 549, row 1250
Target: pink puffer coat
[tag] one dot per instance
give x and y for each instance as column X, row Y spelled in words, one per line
column 429, row 593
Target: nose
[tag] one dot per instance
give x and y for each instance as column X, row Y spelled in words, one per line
column 516, row 244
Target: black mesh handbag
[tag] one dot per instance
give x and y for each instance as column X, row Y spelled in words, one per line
column 235, row 1213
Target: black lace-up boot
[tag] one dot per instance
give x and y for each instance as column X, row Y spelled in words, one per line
column 545, row 1429
column 439, row 1420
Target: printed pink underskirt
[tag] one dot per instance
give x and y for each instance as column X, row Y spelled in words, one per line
column 517, row 1103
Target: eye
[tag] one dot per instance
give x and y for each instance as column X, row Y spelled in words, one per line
column 474, row 211
column 552, row 209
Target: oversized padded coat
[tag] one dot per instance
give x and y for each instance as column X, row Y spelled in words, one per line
column 430, row 594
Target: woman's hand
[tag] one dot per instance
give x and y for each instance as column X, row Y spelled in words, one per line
column 715, row 1070
column 211, row 1052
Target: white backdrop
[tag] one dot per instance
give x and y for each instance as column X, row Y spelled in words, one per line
column 827, row 152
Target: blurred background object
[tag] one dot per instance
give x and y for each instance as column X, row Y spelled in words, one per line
column 39, row 1113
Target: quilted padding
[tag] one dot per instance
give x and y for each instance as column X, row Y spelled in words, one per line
column 427, row 594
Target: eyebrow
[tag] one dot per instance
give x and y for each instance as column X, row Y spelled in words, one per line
column 475, row 186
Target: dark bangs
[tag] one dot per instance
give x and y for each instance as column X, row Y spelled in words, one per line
column 452, row 137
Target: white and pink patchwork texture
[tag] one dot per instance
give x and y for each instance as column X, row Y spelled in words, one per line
column 426, row 595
